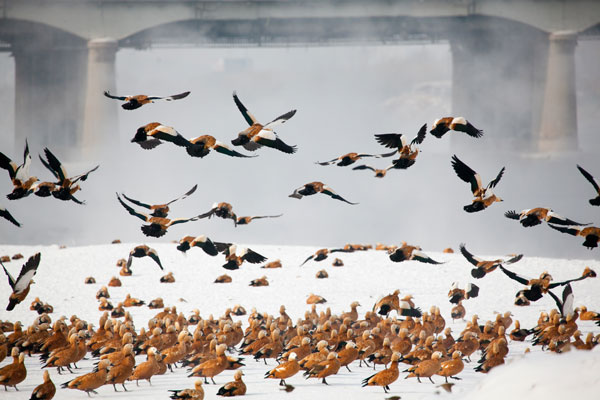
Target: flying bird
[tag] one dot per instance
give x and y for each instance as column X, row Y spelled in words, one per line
column 202, row 145
column 404, row 307
column 317, row 187
column 66, row 186
column 222, row 210
column 19, row 175
column 405, row 149
column 20, row 287
column 247, row 220
column 158, row 225
column 483, row 267
column 153, row 134
column 379, row 173
column 143, row 251
column 133, row 102
column 459, row 124
column 160, row 210
column 201, row 241
column 536, row 288
column 235, row 256
column 347, row 159
column 596, row 200
column 483, row 195
column 535, row 216
column 258, row 135
column 456, row 295
column 590, row 233
column 407, row 252
column 322, row 254
column 7, row 215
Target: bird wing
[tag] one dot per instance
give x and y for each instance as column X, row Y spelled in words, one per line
column 222, row 247
column 327, row 190
column 569, row 230
column 27, row 272
column 224, row 149
column 512, row 214
column 22, row 171
column 130, row 210
column 464, row 172
column 281, row 119
column 250, row 119
column 5, row 214
column 422, row 257
column 55, row 165
column 268, row 138
column 566, row 305
column 182, row 220
column 137, row 202
column 514, row 276
column 154, row 255
column 253, row 257
column 514, row 259
column 76, row 200
column 169, row 134
column 170, row 98
column 265, row 216
column 494, row 182
column 208, row 214
column 390, row 140
column 189, row 192
column 83, row 177
column 45, row 163
column 360, row 167
column 332, row 161
column 420, row 135
column 110, row 96
column 149, row 143
column 554, row 218
column 590, row 178
column 470, row 257
column 11, row 280
column 7, row 164
column 308, row 259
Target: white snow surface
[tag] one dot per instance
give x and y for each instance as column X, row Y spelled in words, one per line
column 365, row 277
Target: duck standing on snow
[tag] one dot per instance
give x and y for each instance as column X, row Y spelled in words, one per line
column 20, row 287
column 235, row 388
column 317, row 187
column 136, row 101
column 189, row 394
column 386, row 377
column 257, row 135
column 44, row 391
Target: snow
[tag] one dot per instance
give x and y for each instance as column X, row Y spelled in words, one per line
column 365, row 277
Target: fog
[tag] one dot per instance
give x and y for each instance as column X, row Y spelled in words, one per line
column 344, row 95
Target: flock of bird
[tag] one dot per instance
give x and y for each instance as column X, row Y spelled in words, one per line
column 320, row 344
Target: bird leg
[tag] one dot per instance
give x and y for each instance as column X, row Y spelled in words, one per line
column 213, row 381
column 418, row 378
column 455, row 377
column 431, row 380
column 325, row 382
column 282, row 382
column 115, row 387
column 348, row 369
column 124, row 388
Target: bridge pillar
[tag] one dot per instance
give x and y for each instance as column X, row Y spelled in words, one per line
column 48, row 94
column 558, row 128
column 100, row 117
column 497, row 82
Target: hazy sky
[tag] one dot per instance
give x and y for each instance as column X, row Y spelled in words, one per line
column 344, row 95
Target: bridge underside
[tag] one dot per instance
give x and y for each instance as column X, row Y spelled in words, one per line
column 499, row 67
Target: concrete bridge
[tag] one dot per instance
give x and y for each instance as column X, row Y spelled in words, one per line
column 65, row 52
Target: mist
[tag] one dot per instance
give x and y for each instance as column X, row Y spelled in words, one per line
column 344, row 95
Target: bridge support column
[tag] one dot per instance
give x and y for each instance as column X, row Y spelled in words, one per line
column 558, row 128
column 100, row 117
column 497, row 82
column 48, row 94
